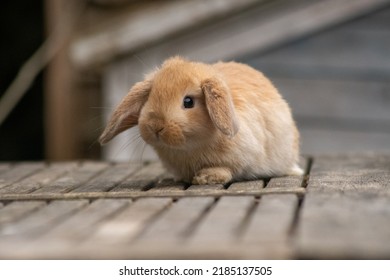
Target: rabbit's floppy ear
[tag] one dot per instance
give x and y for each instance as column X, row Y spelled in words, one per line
column 127, row 113
column 220, row 106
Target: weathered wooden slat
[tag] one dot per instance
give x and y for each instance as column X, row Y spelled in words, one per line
column 296, row 184
column 328, row 139
column 109, row 178
column 17, row 210
column 271, row 220
column 164, row 19
column 167, row 185
column 355, row 174
column 143, row 179
column 74, row 179
column 205, row 189
column 4, row 167
column 246, row 187
column 268, row 228
column 335, row 225
column 194, row 228
column 18, row 172
column 278, row 23
column 129, row 223
column 39, row 179
column 223, row 222
column 40, row 221
column 352, row 100
column 141, row 194
column 350, row 163
column 83, row 223
column 317, row 52
column 177, row 222
column 291, row 182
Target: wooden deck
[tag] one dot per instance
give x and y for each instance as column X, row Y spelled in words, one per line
column 93, row 210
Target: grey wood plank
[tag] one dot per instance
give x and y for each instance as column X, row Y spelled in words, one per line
column 164, row 19
column 377, row 21
column 267, row 233
column 271, row 220
column 177, row 222
column 337, row 99
column 286, row 182
column 129, row 223
column 74, row 179
column 40, row 221
column 80, row 225
column 144, row 194
column 18, row 172
column 350, row 163
column 109, row 178
column 143, row 179
column 355, row 174
column 335, row 225
column 17, row 210
column 5, row 167
column 168, row 185
column 205, row 189
column 325, row 140
column 223, row 222
column 40, row 179
column 246, row 187
column 355, row 49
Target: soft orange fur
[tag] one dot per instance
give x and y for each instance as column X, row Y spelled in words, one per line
column 240, row 126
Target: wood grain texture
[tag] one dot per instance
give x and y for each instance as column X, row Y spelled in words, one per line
column 40, row 179
column 268, row 229
column 271, row 220
column 83, row 223
column 223, row 222
column 277, row 23
column 17, row 210
column 157, row 22
column 143, row 179
column 339, row 209
column 74, row 179
column 144, row 194
column 178, row 222
column 345, row 212
column 110, row 178
column 19, row 172
column 368, row 173
column 130, row 222
column 335, row 225
column 324, row 140
column 40, row 221
column 167, row 185
column 249, row 186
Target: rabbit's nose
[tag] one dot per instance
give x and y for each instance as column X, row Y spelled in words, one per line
column 156, row 129
column 159, row 131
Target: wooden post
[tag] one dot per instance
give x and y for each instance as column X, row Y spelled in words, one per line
column 62, row 120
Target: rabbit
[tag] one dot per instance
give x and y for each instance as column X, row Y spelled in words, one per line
column 211, row 123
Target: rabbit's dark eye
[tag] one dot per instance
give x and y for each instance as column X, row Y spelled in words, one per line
column 188, row 102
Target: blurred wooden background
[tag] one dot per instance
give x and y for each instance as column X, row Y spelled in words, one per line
column 330, row 59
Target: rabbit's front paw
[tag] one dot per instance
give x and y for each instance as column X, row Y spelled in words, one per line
column 211, row 176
